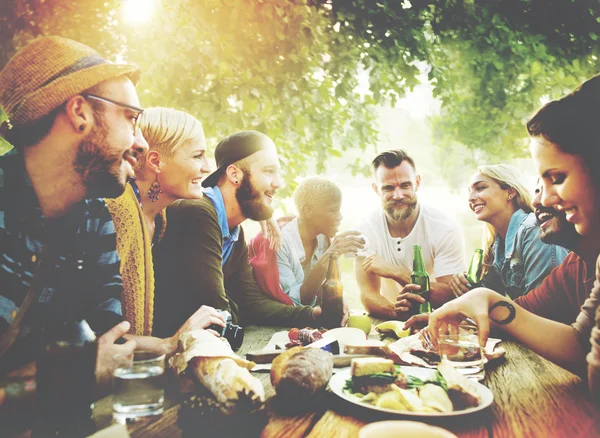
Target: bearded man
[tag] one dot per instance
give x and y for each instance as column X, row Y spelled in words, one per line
column 203, row 256
column 72, row 121
column 393, row 230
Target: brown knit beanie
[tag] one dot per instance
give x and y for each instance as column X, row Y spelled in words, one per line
column 47, row 72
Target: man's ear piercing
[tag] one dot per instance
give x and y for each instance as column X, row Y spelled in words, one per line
column 81, row 127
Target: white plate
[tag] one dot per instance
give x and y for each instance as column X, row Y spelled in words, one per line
column 337, row 382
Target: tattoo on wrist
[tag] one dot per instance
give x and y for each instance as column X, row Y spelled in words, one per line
column 511, row 312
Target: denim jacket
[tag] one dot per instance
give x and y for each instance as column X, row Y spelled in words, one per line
column 522, row 259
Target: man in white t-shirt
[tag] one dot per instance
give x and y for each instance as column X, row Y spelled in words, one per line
column 392, row 231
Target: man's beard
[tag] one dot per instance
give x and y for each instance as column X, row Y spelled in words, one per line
column 100, row 172
column 399, row 215
column 565, row 236
column 250, row 201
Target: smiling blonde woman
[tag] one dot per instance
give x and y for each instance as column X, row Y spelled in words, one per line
column 173, row 169
column 513, row 251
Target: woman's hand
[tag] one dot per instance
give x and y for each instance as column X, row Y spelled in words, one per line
column 474, row 305
column 202, row 318
column 459, row 284
column 270, row 230
column 348, row 242
column 416, row 322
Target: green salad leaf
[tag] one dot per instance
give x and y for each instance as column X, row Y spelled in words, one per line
column 414, row 382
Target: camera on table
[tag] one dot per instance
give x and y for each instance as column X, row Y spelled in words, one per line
column 233, row 333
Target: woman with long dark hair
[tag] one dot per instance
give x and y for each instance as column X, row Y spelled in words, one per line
column 565, row 150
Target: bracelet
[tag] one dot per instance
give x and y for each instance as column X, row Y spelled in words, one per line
column 512, row 312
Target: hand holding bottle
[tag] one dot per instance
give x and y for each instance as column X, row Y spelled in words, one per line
column 408, row 300
column 459, row 284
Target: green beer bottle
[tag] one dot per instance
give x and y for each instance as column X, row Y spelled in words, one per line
column 475, row 268
column 419, row 276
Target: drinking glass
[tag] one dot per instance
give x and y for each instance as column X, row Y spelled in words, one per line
column 363, row 252
column 138, row 383
column 459, row 345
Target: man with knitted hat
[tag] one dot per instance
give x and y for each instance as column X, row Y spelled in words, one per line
column 72, row 121
column 203, row 256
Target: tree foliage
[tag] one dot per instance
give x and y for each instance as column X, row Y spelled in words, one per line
column 491, row 63
column 290, row 68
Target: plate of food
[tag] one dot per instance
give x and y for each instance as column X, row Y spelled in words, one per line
column 376, row 383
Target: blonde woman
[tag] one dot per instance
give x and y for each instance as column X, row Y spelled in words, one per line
column 513, row 250
column 173, row 169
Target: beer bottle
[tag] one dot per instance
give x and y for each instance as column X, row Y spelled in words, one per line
column 475, row 268
column 419, row 276
column 332, row 293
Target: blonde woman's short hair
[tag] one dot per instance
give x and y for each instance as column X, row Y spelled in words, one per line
column 167, row 129
column 315, row 191
column 507, row 177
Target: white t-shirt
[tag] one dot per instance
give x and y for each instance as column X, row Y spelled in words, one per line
column 441, row 241
column 291, row 256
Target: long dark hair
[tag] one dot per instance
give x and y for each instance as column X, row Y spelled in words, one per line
column 572, row 123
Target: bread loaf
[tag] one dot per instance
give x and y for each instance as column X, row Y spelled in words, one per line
column 301, row 373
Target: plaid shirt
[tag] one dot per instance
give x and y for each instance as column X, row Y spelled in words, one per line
column 84, row 281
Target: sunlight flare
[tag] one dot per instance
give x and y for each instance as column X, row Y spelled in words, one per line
column 138, row 11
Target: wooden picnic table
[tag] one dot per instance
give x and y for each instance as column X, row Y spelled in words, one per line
column 532, row 398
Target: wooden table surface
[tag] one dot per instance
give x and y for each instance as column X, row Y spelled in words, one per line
column 532, row 398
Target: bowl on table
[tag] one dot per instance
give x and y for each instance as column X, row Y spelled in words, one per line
column 400, row 429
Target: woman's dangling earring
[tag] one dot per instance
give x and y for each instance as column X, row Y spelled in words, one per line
column 154, row 190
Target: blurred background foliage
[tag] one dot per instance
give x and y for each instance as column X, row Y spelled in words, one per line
column 291, row 68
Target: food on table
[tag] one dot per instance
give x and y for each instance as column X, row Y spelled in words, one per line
column 378, row 382
column 461, row 390
column 435, row 397
column 375, row 374
column 226, row 379
column 369, row 347
column 418, row 350
column 301, row 372
column 400, row 399
column 362, row 322
column 330, row 345
column 346, row 335
column 303, row 337
column 395, row 327
column 429, row 357
column 217, row 367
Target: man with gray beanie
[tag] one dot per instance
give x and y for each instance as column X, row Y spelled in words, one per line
column 72, row 121
column 203, row 256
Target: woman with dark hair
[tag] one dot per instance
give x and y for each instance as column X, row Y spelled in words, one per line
column 564, row 148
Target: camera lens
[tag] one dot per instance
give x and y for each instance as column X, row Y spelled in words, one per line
column 235, row 335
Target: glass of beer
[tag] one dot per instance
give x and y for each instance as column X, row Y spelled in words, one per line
column 138, row 383
column 459, row 344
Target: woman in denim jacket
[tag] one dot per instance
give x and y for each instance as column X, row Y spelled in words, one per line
column 515, row 259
